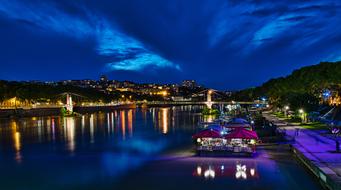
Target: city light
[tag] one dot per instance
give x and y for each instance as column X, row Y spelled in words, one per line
column 170, row 94
column 303, row 115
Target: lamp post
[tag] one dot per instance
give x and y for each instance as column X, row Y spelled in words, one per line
column 301, row 111
column 286, row 109
column 335, row 131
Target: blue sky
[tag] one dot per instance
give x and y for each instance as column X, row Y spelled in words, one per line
column 222, row 44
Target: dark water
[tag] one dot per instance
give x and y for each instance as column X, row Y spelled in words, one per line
column 132, row 149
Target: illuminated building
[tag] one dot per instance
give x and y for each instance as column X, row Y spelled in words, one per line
column 189, row 83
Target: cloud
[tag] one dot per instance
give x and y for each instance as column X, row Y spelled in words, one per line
column 275, row 28
column 46, row 17
column 141, row 61
column 206, row 38
column 129, row 53
column 333, row 57
column 111, row 41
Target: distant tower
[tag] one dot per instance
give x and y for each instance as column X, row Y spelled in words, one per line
column 69, row 106
column 209, row 99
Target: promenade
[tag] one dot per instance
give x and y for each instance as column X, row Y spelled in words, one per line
column 314, row 149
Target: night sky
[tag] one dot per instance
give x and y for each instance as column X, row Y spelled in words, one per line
column 222, row 44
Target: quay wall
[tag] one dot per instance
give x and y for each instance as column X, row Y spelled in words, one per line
column 327, row 178
column 9, row 113
column 55, row 111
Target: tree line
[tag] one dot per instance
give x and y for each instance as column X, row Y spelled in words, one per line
column 301, row 89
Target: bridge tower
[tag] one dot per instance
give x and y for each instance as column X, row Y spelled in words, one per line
column 69, row 105
column 209, row 102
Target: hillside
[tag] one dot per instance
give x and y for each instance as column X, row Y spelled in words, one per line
column 307, row 82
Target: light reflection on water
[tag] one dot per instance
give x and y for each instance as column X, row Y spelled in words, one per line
column 78, row 132
column 239, row 171
column 69, row 131
column 105, row 148
column 165, row 117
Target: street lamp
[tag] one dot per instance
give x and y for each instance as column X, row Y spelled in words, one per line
column 335, row 131
column 286, row 110
column 301, row 111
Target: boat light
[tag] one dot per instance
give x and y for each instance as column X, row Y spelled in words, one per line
column 252, row 141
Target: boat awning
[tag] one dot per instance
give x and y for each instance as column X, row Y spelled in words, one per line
column 240, row 133
column 237, row 125
column 208, row 133
column 216, row 127
column 238, row 121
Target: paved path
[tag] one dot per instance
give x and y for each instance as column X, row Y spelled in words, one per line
column 317, row 148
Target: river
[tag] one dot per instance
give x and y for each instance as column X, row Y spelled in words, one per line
column 133, row 149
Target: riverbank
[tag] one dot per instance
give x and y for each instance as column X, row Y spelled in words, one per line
column 314, row 151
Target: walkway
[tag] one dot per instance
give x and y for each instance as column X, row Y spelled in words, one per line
column 318, row 149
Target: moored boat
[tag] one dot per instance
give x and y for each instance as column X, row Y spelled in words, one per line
column 232, row 138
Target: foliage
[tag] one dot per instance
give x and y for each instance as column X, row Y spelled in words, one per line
column 41, row 92
column 314, row 126
column 63, row 111
column 301, row 89
column 207, row 111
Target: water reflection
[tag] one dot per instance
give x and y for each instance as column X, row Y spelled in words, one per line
column 209, row 118
column 100, row 158
column 239, row 171
column 53, row 129
column 164, row 125
column 130, row 123
column 108, row 124
column 209, row 173
column 92, row 136
column 79, row 132
column 123, row 124
column 69, row 130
